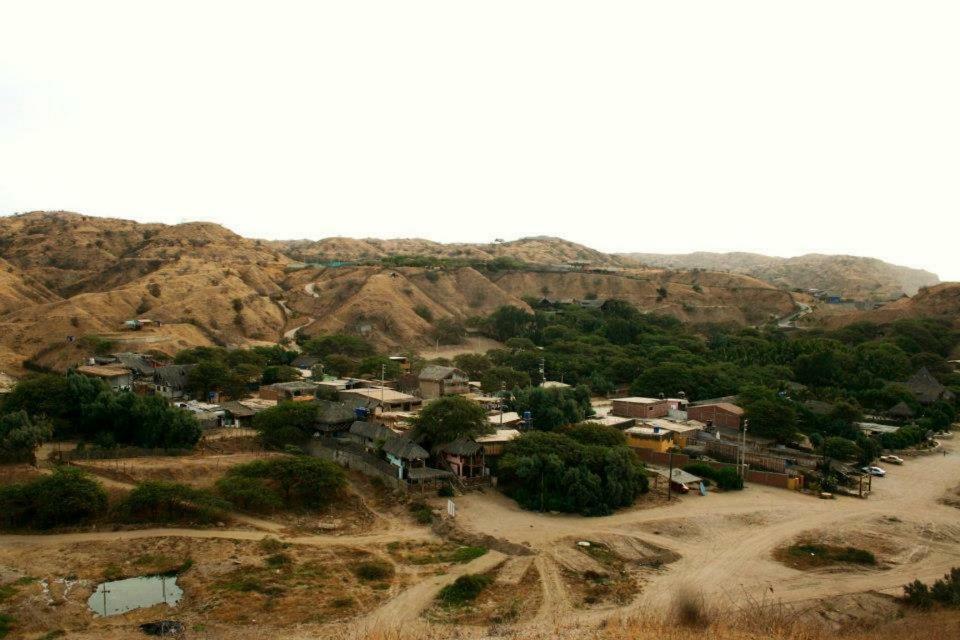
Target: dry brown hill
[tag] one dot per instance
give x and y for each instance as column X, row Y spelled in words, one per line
column 540, row 250
column 204, row 283
column 854, row 277
column 939, row 301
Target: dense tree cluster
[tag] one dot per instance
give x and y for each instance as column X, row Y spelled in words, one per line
column 448, row 418
column 282, row 482
column 84, row 408
column 858, row 369
column 557, row 472
column 236, row 372
column 66, row 497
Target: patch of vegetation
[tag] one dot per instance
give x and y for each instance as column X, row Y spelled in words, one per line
column 464, row 590
column 68, row 496
column 944, row 592
column 810, row 555
column 289, row 482
column 554, row 472
column 163, row 502
column 87, row 409
column 421, row 511
column 463, row 555
column 373, row 570
column 6, row 624
column 725, row 478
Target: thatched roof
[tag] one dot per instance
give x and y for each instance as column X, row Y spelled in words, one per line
column 927, row 389
column 900, row 410
column 405, row 449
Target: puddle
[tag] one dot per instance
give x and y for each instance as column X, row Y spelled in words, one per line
column 120, row 596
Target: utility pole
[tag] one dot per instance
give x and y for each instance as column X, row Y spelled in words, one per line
column 383, row 388
column 503, row 390
column 105, row 592
column 743, row 448
column 543, row 370
column 670, row 478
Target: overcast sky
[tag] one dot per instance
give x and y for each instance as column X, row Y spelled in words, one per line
column 783, row 128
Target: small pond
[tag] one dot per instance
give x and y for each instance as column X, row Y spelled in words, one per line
column 120, row 596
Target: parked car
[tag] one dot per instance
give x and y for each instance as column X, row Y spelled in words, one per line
column 874, row 471
column 892, row 459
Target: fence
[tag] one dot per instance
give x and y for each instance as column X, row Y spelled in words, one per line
column 768, row 478
column 352, row 456
column 119, row 453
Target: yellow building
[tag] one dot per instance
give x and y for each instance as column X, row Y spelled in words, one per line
column 653, row 438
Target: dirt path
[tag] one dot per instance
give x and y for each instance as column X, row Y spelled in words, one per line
column 470, row 345
column 404, row 610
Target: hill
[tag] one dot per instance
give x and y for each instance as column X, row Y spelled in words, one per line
column 540, row 250
column 856, row 278
column 939, row 301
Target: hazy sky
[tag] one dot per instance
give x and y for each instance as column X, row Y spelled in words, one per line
column 779, row 127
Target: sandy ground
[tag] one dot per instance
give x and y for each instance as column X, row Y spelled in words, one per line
column 721, row 545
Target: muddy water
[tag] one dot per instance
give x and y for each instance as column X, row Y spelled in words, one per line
column 120, row 596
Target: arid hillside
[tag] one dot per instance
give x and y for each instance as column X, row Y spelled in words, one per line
column 940, row 301
column 539, row 250
column 74, row 280
column 68, row 282
column 854, row 277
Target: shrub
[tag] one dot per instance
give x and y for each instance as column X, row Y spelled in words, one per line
column 66, row 497
column 446, row 491
column 725, row 478
column 290, row 481
column 421, row 512
column 463, row 590
column 159, row 501
column 945, row 591
column 466, row 554
column 424, row 312
column 373, row 570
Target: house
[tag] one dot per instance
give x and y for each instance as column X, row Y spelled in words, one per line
column 617, row 422
column 370, row 435
column 171, row 381
column 298, row 391
column 385, row 399
column 140, row 365
column 652, row 438
column 683, row 431
column 721, row 414
column 240, row 413
column 305, row 364
column 494, row 443
column 117, row 378
column 900, row 411
column 406, row 455
column 635, row 407
column 335, row 418
column 464, row 457
column 437, row 381
column 680, row 480
column 677, row 404
column 927, row 389
column 504, row 418
column 210, row 416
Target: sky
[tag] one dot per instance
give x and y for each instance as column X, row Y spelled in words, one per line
column 775, row 127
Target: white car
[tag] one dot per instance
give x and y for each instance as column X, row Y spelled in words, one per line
column 892, row 459
column 874, row 471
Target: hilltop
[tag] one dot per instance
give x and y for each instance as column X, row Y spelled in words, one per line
column 854, row 277
column 539, row 250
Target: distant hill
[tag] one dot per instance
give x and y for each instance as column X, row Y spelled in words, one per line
column 540, row 250
column 938, row 301
column 853, row 277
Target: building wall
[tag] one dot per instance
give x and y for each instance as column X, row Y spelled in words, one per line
column 651, row 444
column 636, row 410
column 712, row 413
column 430, row 389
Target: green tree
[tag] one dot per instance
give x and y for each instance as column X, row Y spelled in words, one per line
column 20, row 435
column 840, row 448
column 449, row 418
column 474, row 364
column 295, row 481
column 509, row 322
column 280, row 373
column 286, row 423
column 68, row 496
